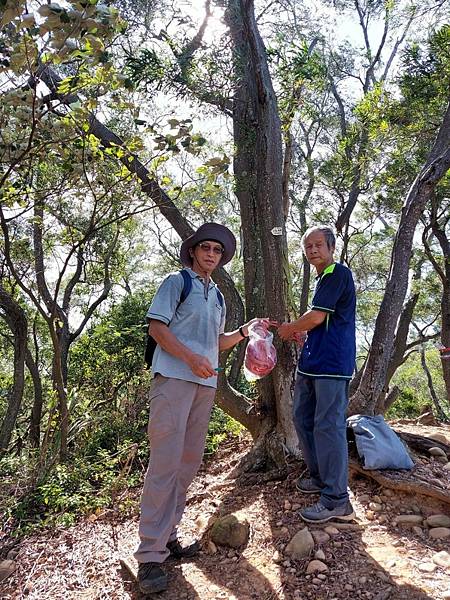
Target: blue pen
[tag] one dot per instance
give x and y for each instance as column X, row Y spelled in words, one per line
column 218, row 369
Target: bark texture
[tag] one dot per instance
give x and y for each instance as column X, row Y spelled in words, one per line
column 258, row 168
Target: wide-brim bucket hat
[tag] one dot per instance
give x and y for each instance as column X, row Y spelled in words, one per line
column 215, row 233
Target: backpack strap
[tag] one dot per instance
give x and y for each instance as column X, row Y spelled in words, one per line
column 187, row 286
column 219, row 297
column 150, row 345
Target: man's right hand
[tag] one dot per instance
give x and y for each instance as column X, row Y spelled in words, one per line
column 300, row 338
column 286, row 331
column 201, row 366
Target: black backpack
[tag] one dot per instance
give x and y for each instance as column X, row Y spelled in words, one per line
column 150, row 344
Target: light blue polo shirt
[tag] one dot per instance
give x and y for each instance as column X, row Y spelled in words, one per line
column 197, row 323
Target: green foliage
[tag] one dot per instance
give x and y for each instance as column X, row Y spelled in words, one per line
column 146, row 68
column 301, row 70
column 426, row 76
column 221, row 426
column 407, row 406
column 76, row 31
column 107, row 462
column 407, row 125
column 414, row 391
column 87, row 484
column 110, row 355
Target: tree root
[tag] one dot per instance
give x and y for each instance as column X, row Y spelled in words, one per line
column 268, row 452
column 260, row 478
column 421, row 443
column 410, row 486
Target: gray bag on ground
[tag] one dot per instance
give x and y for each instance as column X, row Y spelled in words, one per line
column 378, row 446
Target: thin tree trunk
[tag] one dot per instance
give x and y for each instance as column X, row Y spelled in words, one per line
column 56, row 321
column 398, row 354
column 443, row 271
column 445, row 306
column 36, row 412
column 287, row 162
column 345, row 213
column 374, row 375
column 17, row 322
column 439, row 410
column 445, row 332
column 391, row 397
column 304, row 294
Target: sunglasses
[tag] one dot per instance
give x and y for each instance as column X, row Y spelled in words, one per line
column 207, row 248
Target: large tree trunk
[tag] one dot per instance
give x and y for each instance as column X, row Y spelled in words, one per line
column 258, row 169
column 17, row 322
column 373, row 378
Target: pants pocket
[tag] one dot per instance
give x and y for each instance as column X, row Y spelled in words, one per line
column 161, row 421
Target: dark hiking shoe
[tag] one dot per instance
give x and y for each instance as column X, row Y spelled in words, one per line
column 151, row 578
column 318, row 513
column 178, row 551
column 306, row 485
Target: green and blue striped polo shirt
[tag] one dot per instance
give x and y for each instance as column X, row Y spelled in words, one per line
column 330, row 348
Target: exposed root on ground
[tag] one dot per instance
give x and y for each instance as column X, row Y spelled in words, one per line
column 403, row 481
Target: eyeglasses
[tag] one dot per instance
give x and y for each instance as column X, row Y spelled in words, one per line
column 208, row 248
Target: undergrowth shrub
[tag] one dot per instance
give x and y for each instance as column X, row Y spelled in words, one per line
column 104, row 472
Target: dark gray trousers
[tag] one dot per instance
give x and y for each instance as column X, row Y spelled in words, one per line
column 320, row 421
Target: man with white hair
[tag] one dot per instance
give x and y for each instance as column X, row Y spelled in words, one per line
column 325, row 367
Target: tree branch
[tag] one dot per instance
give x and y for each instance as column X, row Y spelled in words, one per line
column 107, row 285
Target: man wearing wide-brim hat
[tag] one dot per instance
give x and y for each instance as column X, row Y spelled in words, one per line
column 189, row 335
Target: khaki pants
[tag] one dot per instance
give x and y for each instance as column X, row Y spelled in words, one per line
column 179, row 417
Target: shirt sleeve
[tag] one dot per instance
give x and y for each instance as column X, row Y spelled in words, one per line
column 329, row 291
column 166, row 299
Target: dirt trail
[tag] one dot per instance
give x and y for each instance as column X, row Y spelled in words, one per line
column 375, row 561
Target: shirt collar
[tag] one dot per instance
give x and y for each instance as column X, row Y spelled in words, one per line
column 195, row 275
column 327, row 271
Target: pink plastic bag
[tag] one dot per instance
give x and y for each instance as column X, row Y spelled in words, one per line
column 260, row 354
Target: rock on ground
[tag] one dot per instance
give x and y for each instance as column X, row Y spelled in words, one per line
column 438, row 521
column 230, row 530
column 7, row 567
column 301, row 545
column 316, row 566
